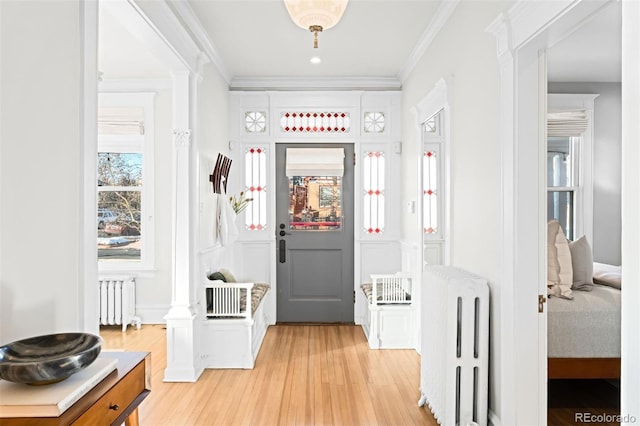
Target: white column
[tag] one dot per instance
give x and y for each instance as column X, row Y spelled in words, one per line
column 88, row 267
column 630, row 381
column 181, row 319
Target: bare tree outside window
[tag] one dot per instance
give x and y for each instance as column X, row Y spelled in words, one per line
column 119, row 205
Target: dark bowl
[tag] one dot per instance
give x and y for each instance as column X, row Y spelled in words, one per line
column 48, row 359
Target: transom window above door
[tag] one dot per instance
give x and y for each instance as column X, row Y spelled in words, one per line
column 315, row 122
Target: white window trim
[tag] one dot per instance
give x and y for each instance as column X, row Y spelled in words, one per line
column 437, row 100
column 434, row 142
column 583, row 203
column 144, row 144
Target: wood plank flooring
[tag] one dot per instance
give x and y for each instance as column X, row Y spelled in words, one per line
column 318, row 375
column 304, row 375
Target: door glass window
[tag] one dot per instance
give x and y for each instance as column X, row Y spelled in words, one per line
column 315, row 203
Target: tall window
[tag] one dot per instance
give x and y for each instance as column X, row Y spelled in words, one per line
column 433, row 184
column 431, row 175
column 563, row 181
column 256, row 188
column 430, row 166
column 373, row 169
column 125, row 181
column 569, row 169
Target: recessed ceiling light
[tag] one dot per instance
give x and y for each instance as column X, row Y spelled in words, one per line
column 315, row 60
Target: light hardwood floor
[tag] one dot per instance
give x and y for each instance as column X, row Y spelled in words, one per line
column 304, row 375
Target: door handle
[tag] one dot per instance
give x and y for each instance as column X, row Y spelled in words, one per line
column 282, row 231
column 282, row 251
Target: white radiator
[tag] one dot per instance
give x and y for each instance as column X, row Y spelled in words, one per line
column 118, row 301
column 455, row 346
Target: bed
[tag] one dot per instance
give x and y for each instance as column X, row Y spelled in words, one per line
column 234, row 325
column 584, row 331
column 390, row 317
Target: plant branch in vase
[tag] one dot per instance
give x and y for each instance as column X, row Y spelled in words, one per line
column 240, row 202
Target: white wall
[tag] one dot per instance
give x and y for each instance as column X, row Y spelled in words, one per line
column 41, row 168
column 465, row 52
column 607, row 220
column 153, row 289
column 213, row 138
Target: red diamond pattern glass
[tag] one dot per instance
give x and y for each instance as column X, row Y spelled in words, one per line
column 430, row 192
column 255, row 188
column 373, row 169
column 315, row 122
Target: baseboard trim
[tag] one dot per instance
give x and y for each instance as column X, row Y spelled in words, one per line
column 152, row 314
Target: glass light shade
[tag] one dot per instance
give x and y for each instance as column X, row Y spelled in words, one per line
column 306, row 13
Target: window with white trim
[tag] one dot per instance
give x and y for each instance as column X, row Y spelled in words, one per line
column 434, row 172
column 432, row 168
column 568, row 177
column 563, row 181
column 125, row 181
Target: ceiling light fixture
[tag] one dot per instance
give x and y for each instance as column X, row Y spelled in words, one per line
column 315, row 60
column 316, row 15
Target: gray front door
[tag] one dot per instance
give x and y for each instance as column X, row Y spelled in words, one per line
column 314, row 232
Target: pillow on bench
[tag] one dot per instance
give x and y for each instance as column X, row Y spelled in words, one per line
column 257, row 294
column 217, row 276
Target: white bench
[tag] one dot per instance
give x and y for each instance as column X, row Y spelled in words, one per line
column 390, row 316
column 234, row 324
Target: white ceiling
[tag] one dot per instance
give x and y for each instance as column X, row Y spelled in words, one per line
column 256, row 39
column 592, row 53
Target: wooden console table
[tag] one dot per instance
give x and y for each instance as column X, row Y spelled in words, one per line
column 113, row 401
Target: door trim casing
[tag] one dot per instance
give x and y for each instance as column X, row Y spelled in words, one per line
column 521, row 33
column 350, row 227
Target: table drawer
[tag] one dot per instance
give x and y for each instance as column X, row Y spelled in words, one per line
column 111, row 405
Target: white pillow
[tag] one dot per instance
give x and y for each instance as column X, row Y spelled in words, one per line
column 607, row 275
column 228, row 275
column 559, row 267
column 582, row 263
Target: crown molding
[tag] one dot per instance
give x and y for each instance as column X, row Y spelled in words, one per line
column 317, row 83
column 190, row 19
column 440, row 18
